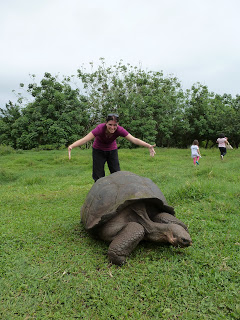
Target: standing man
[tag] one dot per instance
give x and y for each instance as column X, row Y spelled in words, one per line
column 105, row 145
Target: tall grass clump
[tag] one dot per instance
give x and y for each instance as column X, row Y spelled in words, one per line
column 50, row 267
column 6, row 149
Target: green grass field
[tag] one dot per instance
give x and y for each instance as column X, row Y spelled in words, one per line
column 51, row 268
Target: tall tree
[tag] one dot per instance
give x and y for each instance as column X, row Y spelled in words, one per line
column 146, row 101
column 58, row 115
column 200, row 113
column 8, row 117
column 233, row 122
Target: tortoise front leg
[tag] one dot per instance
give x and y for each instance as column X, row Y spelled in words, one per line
column 125, row 242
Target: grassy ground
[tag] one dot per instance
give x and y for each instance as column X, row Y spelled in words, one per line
column 51, row 269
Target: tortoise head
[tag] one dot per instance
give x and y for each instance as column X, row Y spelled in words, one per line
column 178, row 236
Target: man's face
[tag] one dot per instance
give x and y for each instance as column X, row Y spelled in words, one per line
column 111, row 126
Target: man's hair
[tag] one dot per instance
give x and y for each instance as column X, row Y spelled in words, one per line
column 112, row 116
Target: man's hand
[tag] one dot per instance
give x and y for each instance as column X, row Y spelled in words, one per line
column 152, row 151
column 69, row 152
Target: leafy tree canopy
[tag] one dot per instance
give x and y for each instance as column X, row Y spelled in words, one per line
column 151, row 106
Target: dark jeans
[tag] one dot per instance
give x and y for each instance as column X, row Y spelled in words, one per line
column 223, row 151
column 100, row 158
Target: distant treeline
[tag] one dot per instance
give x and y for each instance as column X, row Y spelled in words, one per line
column 151, row 107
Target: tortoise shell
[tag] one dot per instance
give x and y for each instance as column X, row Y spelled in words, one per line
column 109, row 195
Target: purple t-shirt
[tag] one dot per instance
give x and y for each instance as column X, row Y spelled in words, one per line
column 103, row 142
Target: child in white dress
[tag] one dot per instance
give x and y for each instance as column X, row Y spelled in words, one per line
column 195, row 152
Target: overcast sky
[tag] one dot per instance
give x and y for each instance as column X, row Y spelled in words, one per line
column 195, row 40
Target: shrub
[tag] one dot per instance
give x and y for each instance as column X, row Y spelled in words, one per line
column 6, row 149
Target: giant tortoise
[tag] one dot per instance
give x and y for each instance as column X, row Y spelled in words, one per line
column 124, row 208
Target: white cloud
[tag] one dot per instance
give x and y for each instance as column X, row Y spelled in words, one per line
column 195, row 40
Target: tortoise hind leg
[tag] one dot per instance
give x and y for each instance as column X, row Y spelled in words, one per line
column 165, row 217
column 125, row 242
